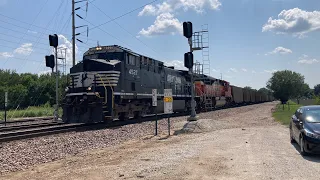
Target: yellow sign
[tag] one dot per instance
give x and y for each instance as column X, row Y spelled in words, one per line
column 168, row 99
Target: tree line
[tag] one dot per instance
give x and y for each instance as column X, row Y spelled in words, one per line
column 27, row 89
column 286, row 84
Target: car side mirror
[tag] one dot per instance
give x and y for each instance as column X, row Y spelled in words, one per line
column 295, row 119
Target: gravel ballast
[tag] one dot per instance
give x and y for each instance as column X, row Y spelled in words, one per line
column 19, row 155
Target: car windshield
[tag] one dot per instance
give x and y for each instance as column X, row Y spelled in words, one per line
column 313, row 115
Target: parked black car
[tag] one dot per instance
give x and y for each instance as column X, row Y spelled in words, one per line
column 305, row 129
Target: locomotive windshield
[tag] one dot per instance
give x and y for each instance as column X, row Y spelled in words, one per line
column 106, row 56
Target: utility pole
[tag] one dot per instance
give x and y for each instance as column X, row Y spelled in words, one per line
column 73, row 36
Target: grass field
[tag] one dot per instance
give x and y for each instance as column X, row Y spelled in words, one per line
column 30, row 112
column 283, row 115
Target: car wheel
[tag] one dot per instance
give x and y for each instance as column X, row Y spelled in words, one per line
column 291, row 137
column 302, row 150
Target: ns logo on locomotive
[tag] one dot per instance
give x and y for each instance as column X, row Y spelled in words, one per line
column 113, row 82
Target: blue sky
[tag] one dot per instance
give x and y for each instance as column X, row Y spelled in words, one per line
column 249, row 39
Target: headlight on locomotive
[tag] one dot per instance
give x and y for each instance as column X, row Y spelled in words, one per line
column 89, row 88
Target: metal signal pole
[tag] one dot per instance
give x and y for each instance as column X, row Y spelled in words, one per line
column 57, row 86
column 73, row 36
column 193, row 116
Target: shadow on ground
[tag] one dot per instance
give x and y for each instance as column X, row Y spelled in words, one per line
column 310, row 157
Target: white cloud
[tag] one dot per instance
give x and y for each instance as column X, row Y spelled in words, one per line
column 6, row 54
column 232, row 70
column 148, row 10
column 244, row 70
column 170, row 6
column 33, row 32
column 164, row 24
column 294, row 21
column 253, row 71
column 64, row 43
column 24, row 49
column 280, row 50
column 215, row 70
column 270, row 71
column 306, row 60
column 176, row 64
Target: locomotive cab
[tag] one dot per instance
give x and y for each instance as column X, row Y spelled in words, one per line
column 89, row 97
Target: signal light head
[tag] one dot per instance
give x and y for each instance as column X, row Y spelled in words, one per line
column 187, row 29
column 53, row 40
column 50, row 61
column 188, row 60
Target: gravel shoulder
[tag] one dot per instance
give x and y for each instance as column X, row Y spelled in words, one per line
column 239, row 143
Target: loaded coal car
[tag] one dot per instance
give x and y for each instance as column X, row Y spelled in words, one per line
column 112, row 82
column 246, row 96
column 237, row 95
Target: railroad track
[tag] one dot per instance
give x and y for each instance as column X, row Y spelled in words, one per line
column 28, row 126
column 30, row 133
column 25, row 120
column 20, row 133
column 11, row 133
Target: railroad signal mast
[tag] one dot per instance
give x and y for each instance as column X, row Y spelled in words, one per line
column 188, row 63
column 53, row 62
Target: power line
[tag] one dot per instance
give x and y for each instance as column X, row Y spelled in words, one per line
column 109, row 34
column 49, row 50
column 129, row 12
column 67, row 22
column 124, row 29
column 31, row 23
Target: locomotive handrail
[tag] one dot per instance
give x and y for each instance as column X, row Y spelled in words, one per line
column 106, row 88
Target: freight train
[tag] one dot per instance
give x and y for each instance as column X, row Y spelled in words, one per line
column 113, row 82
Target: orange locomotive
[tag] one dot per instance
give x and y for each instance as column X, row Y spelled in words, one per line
column 215, row 91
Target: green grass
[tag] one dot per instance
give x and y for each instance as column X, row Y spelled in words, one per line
column 284, row 115
column 30, row 112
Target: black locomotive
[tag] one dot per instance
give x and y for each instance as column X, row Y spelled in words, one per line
column 113, row 82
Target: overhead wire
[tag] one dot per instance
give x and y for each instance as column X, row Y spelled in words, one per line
column 124, row 29
column 118, row 17
column 23, row 64
column 31, row 23
column 43, row 88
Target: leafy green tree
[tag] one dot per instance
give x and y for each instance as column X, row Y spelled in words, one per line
column 317, row 90
column 286, row 84
column 28, row 89
column 265, row 91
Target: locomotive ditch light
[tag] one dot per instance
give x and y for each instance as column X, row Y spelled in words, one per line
column 89, row 88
